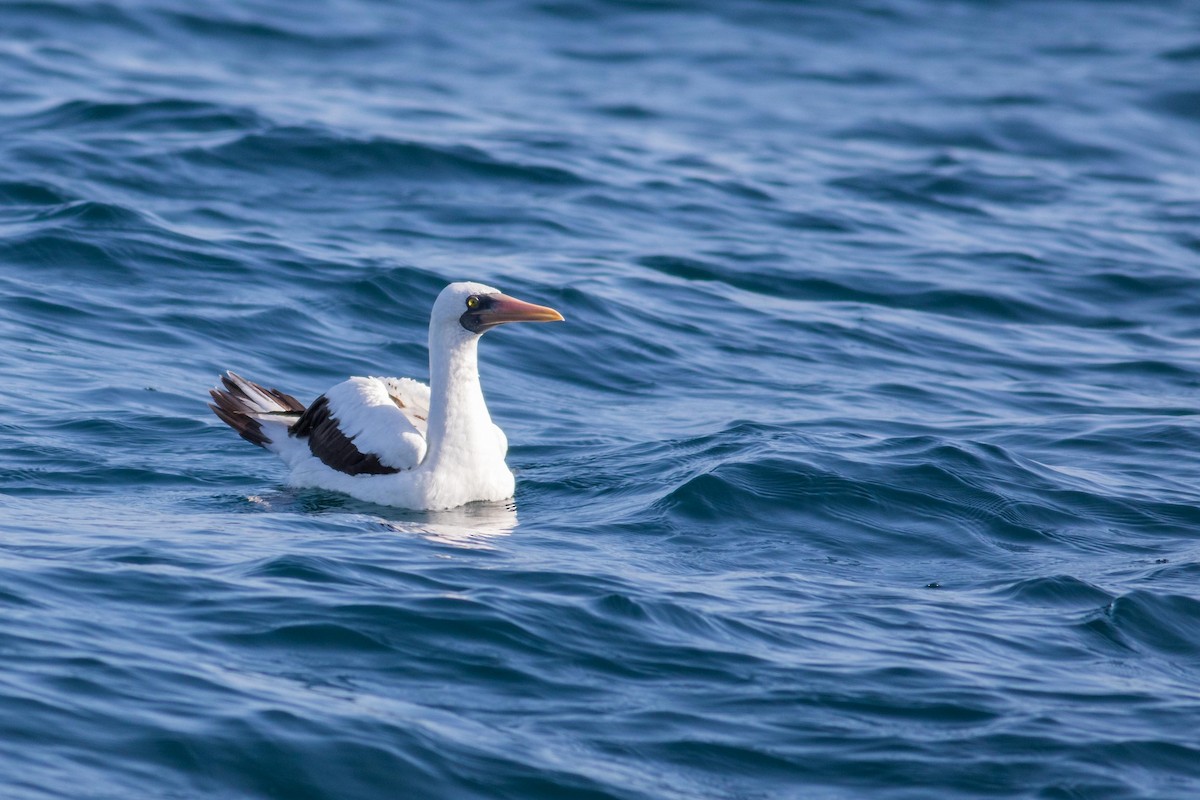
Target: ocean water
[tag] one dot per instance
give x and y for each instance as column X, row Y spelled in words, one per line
column 865, row 465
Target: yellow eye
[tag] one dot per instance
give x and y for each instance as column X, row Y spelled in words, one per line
column 472, row 302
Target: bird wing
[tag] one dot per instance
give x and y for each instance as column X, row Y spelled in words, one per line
column 360, row 427
column 411, row 397
column 257, row 413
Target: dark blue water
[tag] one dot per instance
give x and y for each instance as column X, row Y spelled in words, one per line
column 865, row 465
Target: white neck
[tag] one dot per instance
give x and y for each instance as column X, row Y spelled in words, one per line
column 460, row 433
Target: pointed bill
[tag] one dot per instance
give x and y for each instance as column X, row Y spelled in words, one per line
column 502, row 308
column 486, row 311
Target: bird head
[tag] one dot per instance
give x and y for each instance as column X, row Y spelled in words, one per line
column 476, row 308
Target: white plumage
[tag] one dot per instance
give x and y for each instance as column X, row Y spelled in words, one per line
column 368, row 411
column 396, row 441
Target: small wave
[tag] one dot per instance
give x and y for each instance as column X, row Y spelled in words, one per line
column 64, row 250
column 92, row 214
column 344, row 158
column 145, row 116
column 887, row 292
column 1059, row 591
column 311, row 636
column 1184, row 104
column 1014, row 135
column 1185, row 53
column 966, row 190
column 1151, row 621
column 283, row 31
column 742, row 490
column 29, row 193
column 300, row 568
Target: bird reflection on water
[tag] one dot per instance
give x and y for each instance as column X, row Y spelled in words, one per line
column 471, row 526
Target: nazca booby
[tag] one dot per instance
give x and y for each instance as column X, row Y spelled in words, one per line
column 396, row 441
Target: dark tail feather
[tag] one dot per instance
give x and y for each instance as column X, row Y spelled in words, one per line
column 242, row 402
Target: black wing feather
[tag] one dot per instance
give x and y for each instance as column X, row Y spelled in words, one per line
column 335, row 449
column 240, row 411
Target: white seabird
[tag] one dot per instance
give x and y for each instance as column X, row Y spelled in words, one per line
column 396, row 441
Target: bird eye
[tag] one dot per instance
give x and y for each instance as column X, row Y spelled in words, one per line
column 473, row 302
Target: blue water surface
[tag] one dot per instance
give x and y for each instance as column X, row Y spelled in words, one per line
column 864, row 466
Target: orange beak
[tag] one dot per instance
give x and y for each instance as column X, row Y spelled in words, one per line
column 501, row 308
